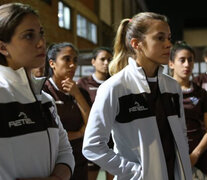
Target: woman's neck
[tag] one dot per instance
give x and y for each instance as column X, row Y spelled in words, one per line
column 149, row 67
column 185, row 85
column 101, row 76
column 184, row 82
column 57, row 82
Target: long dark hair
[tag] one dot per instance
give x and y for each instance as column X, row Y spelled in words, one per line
column 97, row 50
column 52, row 52
column 11, row 15
column 180, row 45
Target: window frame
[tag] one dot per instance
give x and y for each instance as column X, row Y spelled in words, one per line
column 64, row 18
column 87, row 34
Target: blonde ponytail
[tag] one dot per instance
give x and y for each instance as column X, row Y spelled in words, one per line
column 128, row 29
column 120, row 50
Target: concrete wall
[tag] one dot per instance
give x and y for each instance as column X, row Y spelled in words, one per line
column 118, row 12
column 195, row 37
column 49, row 19
column 105, row 11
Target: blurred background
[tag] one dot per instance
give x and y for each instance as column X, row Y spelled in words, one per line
column 92, row 23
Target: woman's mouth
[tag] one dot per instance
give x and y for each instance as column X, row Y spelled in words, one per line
column 41, row 55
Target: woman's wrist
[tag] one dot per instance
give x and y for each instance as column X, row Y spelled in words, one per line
column 196, row 153
column 78, row 95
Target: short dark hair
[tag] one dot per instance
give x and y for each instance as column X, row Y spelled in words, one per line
column 97, row 50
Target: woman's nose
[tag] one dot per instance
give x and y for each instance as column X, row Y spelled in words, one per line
column 41, row 42
column 187, row 63
column 72, row 64
column 169, row 43
column 106, row 61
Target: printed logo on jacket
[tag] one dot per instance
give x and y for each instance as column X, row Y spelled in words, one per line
column 18, row 119
column 137, row 106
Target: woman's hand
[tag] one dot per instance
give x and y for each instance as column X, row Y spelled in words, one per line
column 70, row 87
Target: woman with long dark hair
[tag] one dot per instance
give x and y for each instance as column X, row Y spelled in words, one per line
column 182, row 59
column 34, row 144
column 71, row 102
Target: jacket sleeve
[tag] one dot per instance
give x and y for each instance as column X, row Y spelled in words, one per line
column 65, row 152
column 101, row 120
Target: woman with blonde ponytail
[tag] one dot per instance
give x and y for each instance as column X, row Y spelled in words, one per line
column 141, row 107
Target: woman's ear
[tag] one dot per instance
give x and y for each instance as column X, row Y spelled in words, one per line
column 3, row 49
column 171, row 64
column 52, row 63
column 135, row 43
column 93, row 61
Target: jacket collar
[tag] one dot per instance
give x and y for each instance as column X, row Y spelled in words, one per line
column 137, row 73
column 20, row 77
column 141, row 74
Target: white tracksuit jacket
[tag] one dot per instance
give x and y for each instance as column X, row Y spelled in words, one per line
column 138, row 153
column 32, row 139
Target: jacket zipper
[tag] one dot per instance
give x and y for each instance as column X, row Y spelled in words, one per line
column 43, row 114
column 173, row 137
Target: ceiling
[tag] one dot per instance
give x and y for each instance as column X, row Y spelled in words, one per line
column 181, row 13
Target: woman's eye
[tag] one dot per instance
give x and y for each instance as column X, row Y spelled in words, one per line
column 29, row 36
column 182, row 60
column 67, row 59
column 161, row 38
column 42, row 33
column 75, row 60
column 190, row 60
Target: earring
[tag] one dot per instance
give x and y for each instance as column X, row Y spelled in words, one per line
column 7, row 53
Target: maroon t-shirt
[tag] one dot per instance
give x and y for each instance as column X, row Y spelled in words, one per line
column 72, row 120
column 67, row 107
column 195, row 105
column 90, row 85
column 201, row 80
